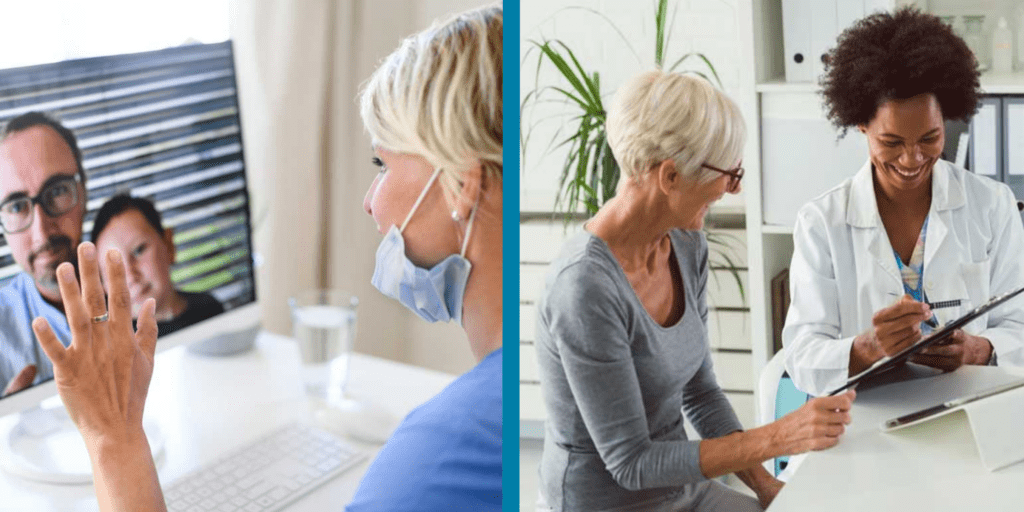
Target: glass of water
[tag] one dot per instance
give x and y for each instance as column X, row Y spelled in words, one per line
column 324, row 324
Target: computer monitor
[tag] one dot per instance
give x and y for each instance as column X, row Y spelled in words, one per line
column 163, row 126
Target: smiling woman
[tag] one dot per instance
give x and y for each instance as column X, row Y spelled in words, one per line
column 621, row 339
column 908, row 225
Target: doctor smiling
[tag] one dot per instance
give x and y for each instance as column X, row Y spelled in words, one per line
column 908, row 229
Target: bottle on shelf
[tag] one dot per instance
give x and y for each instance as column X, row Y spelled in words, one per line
column 974, row 36
column 1018, row 19
column 1002, row 48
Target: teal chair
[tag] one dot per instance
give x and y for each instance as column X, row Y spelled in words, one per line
column 777, row 398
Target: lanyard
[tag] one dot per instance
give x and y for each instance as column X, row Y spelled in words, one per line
column 918, row 292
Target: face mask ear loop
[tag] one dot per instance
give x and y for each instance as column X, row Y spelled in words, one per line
column 419, row 199
column 469, row 230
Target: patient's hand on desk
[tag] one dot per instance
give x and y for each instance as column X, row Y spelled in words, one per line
column 816, row 425
column 103, row 379
column 21, row 381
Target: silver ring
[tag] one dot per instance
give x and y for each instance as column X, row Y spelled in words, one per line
column 102, row 318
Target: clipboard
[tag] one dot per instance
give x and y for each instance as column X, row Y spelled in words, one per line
column 888, row 363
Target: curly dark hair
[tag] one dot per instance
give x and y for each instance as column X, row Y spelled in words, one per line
column 898, row 55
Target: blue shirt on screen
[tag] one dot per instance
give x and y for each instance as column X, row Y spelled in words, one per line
column 20, row 303
column 446, row 454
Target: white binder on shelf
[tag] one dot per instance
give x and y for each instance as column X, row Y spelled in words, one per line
column 995, row 417
column 985, row 129
column 796, row 39
column 1013, row 145
column 824, row 31
column 847, row 12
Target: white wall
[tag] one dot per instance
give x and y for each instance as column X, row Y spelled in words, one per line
column 705, row 26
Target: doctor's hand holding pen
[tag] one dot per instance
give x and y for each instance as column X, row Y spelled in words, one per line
column 104, row 376
column 898, row 326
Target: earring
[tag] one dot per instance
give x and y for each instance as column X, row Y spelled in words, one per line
column 456, row 216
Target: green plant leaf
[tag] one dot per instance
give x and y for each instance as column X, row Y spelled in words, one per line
column 659, row 38
column 706, row 62
column 563, row 67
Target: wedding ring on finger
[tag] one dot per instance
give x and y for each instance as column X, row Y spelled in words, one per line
column 102, row 318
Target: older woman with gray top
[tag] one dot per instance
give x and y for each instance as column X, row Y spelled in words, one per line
column 622, row 338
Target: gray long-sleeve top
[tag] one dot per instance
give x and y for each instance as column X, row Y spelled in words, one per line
column 615, row 381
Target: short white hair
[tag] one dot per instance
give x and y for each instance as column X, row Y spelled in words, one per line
column 659, row 116
column 439, row 96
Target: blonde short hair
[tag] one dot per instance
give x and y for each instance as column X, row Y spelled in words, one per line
column 660, row 116
column 439, row 96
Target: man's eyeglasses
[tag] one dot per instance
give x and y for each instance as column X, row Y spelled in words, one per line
column 57, row 198
column 735, row 175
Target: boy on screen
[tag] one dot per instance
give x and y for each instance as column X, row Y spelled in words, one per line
column 42, row 204
column 133, row 225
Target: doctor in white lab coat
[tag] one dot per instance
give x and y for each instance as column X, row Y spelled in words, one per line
column 908, row 231
column 844, row 270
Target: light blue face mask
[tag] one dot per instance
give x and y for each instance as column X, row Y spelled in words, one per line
column 435, row 294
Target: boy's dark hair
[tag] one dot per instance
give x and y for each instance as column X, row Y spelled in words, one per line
column 898, row 55
column 121, row 203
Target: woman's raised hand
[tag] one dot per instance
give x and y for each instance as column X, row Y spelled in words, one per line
column 103, row 377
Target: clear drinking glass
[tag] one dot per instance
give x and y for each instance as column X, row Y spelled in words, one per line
column 324, row 324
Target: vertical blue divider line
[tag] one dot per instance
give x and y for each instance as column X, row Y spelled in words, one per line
column 510, row 257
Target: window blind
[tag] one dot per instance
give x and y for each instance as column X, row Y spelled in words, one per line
column 163, row 125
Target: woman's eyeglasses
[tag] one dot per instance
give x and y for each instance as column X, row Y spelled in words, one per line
column 735, row 175
column 57, row 198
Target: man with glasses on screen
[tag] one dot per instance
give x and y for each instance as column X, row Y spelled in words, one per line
column 42, row 205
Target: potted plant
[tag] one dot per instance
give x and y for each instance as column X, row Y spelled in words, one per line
column 589, row 173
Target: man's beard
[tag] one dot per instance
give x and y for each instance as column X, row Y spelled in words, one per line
column 63, row 250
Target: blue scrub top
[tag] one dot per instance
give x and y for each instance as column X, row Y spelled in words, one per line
column 20, row 303
column 446, row 454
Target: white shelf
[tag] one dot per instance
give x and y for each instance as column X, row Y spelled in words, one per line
column 781, row 85
column 1007, row 83
column 726, row 209
column 777, row 229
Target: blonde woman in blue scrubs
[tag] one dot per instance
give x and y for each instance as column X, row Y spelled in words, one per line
column 434, row 112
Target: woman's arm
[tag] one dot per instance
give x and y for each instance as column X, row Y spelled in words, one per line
column 103, row 379
column 816, row 425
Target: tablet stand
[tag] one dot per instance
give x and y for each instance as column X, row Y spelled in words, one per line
column 995, row 422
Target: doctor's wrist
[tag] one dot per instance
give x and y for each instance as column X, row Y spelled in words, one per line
column 864, row 351
column 982, row 351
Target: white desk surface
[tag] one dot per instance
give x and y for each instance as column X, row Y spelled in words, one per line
column 206, row 406
column 933, row 466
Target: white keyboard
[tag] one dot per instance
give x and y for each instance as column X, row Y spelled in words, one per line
column 266, row 475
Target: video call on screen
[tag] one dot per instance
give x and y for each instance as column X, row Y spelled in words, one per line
column 163, row 126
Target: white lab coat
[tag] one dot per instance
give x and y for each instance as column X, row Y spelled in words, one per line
column 844, row 270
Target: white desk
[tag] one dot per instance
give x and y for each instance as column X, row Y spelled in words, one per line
column 933, row 466
column 206, row 406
